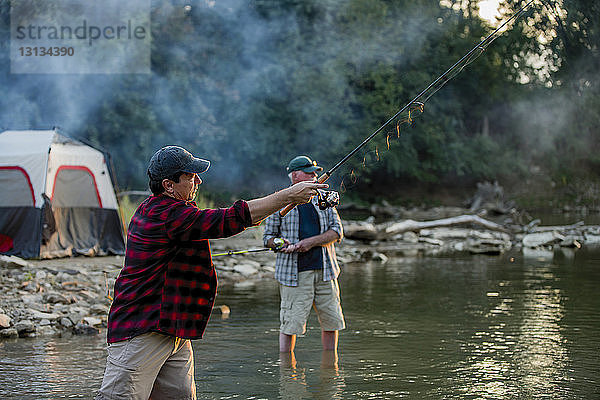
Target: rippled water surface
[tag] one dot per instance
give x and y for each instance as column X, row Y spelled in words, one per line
column 435, row 328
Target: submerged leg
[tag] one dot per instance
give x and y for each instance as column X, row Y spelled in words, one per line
column 286, row 343
column 329, row 340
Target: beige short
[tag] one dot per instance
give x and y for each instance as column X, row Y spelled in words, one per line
column 149, row 366
column 312, row 291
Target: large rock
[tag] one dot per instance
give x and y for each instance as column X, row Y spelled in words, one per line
column 99, row 309
column 44, row 315
column 47, row 330
column 410, row 237
column 92, row 321
column 53, row 298
column 25, row 327
column 10, row 333
column 246, row 269
column 84, row 329
column 538, row 239
column 4, row 321
column 13, row 262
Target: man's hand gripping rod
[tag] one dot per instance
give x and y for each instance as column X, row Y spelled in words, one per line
column 321, row 179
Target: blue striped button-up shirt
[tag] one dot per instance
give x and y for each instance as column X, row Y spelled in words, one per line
column 286, row 265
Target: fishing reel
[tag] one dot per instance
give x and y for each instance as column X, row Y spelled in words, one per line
column 327, row 198
column 279, row 244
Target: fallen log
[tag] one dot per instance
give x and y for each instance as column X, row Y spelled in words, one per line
column 411, row 225
column 360, row 230
column 558, row 228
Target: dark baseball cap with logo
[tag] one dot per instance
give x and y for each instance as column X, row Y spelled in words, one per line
column 170, row 160
column 303, row 163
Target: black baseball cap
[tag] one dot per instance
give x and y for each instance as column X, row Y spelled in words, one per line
column 173, row 159
column 303, row 163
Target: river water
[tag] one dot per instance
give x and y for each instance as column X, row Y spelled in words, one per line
column 472, row 327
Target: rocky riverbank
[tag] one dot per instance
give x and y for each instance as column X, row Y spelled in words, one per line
column 72, row 295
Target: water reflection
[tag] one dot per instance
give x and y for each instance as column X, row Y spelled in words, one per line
column 52, row 368
column 520, row 352
column 540, row 349
column 294, row 383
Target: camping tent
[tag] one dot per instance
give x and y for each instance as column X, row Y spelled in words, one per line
column 56, row 199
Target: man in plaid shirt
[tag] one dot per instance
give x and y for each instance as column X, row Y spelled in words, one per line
column 166, row 290
column 306, row 267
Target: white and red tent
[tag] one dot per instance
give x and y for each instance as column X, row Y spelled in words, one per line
column 56, row 197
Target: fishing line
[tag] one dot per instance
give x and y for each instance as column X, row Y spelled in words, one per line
column 417, row 104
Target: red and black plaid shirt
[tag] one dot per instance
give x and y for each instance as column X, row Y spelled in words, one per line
column 168, row 283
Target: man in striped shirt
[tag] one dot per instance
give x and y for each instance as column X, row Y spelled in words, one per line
column 307, row 267
column 165, row 292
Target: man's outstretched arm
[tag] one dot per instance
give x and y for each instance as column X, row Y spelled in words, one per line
column 299, row 193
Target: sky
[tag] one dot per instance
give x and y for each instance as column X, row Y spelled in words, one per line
column 488, row 10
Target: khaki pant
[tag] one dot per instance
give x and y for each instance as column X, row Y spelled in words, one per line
column 312, row 291
column 149, row 366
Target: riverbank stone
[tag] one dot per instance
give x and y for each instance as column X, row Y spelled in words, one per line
column 13, row 262
column 25, row 328
column 54, row 298
column 99, row 309
column 92, row 321
column 4, row 321
column 246, row 269
column 44, row 315
column 84, row 329
column 10, row 333
column 46, row 330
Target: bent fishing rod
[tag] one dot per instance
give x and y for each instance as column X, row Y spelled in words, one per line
column 419, row 101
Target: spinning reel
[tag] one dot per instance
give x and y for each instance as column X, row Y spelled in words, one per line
column 327, row 198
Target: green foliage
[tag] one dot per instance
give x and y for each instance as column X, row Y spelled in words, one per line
column 127, row 207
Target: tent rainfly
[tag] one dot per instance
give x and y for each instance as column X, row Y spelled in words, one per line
column 57, row 198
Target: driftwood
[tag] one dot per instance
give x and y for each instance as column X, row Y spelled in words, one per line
column 410, row 225
column 560, row 228
column 361, row 230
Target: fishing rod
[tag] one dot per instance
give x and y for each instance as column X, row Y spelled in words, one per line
column 278, row 242
column 418, row 103
column 234, row 252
